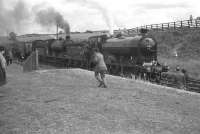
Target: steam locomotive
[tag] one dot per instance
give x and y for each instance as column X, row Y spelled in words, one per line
column 128, row 56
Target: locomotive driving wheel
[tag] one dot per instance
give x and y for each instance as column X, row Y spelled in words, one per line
column 114, row 69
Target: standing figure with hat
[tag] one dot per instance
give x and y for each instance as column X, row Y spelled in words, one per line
column 180, row 78
column 100, row 68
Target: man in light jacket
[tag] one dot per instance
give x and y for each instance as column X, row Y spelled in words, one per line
column 100, row 68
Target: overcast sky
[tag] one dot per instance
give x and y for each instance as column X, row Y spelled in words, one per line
column 93, row 14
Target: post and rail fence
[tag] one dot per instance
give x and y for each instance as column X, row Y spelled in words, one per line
column 178, row 25
column 189, row 84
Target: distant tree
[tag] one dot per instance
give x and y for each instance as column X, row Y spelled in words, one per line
column 13, row 36
column 191, row 17
column 88, row 31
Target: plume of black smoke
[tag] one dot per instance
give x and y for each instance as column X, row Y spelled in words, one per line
column 49, row 17
column 95, row 5
column 12, row 19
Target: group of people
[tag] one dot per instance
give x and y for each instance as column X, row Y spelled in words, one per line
column 100, row 70
column 181, row 78
column 97, row 59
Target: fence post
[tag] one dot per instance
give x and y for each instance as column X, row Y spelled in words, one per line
column 162, row 27
column 196, row 23
column 36, row 59
column 174, row 25
column 168, row 25
column 181, row 24
column 157, row 27
column 188, row 23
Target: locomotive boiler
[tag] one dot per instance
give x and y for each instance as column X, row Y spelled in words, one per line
column 137, row 49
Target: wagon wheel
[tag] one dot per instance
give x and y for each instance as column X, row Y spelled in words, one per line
column 128, row 75
column 69, row 63
column 82, row 65
column 153, row 77
column 115, row 70
column 75, row 63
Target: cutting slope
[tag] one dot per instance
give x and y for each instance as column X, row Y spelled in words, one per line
column 184, row 44
column 68, row 101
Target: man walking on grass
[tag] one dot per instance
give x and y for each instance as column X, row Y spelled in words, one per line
column 100, row 68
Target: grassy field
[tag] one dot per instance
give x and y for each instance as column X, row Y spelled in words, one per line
column 68, row 101
column 186, row 44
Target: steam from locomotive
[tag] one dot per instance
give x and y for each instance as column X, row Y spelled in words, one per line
column 95, row 5
column 12, row 18
column 21, row 18
column 49, row 17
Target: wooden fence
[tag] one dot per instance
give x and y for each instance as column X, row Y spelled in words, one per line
column 191, row 24
column 193, row 85
column 189, row 84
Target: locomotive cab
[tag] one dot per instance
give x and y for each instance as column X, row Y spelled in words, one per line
column 97, row 41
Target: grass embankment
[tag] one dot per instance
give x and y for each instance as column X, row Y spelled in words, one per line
column 186, row 43
column 68, row 101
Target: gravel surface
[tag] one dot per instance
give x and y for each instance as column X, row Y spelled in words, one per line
column 69, row 102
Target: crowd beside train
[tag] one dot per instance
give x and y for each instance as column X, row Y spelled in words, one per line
column 179, row 75
column 6, row 58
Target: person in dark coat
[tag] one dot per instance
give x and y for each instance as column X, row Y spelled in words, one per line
column 2, row 68
column 186, row 76
column 180, row 78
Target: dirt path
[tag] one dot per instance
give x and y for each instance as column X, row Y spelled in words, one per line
column 68, row 102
